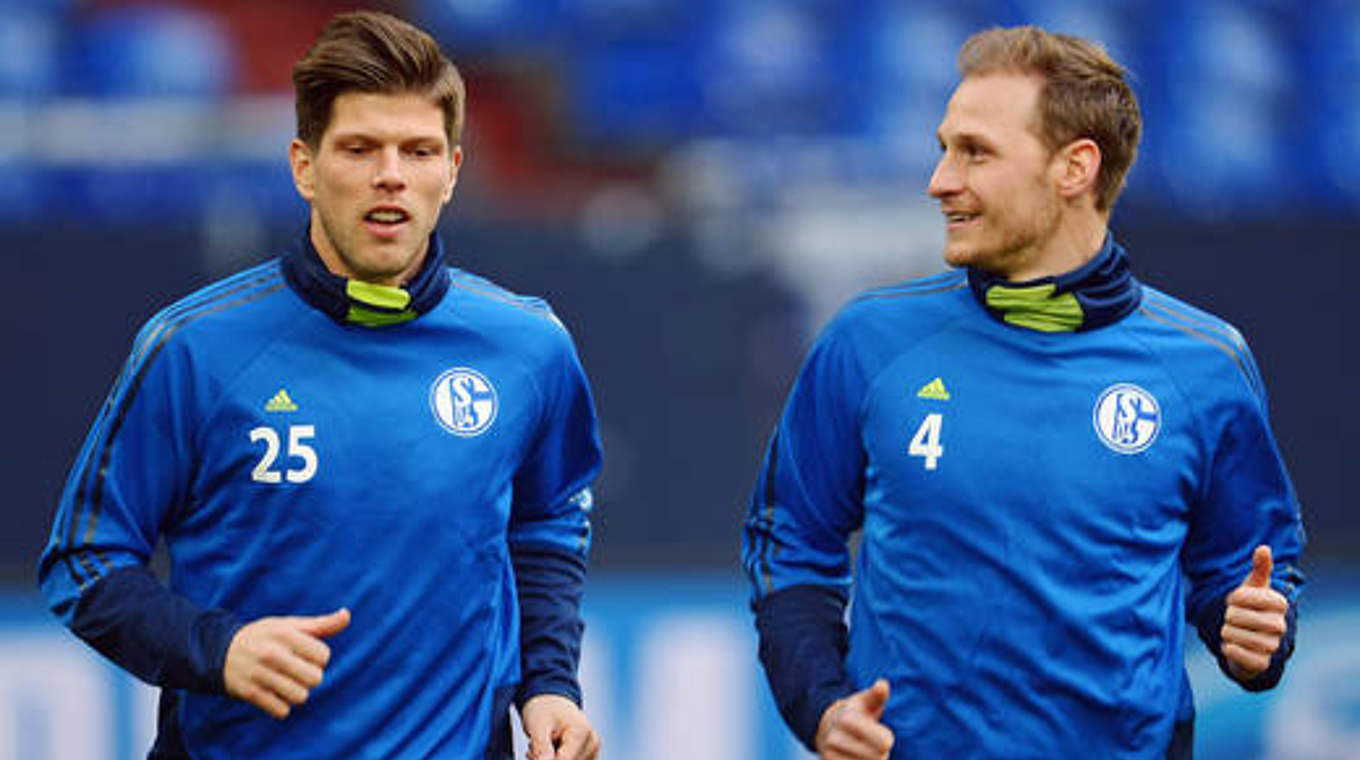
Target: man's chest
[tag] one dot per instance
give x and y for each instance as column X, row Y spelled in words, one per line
column 377, row 430
column 1068, row 431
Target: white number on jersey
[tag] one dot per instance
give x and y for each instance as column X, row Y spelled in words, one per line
column 926, row 442
column 264, row 471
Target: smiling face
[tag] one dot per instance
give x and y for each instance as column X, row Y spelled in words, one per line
column 376, row 182
column 999, row 186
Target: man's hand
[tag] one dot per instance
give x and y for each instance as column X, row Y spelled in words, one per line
column 1254, row 621
column 558, row 730
column 850, row 727
column 274, row 662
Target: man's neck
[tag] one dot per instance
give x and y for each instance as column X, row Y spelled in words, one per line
column 1076, row 241
column 337, row 266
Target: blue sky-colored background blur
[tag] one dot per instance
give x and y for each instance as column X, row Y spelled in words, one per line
column 695, row 185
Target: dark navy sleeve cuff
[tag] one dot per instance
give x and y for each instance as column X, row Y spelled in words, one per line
column 156, row 635
column 803, row 641
column 550, row 583
column 1210, row 627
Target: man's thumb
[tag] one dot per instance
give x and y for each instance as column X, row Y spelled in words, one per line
column 323, row 626
column 540, row 746
column 872, row 699
column 1261, row 566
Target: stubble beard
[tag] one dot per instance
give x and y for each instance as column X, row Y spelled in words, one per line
column 347, row 249
column 1020, row 241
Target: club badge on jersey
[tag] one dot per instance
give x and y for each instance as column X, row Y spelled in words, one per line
column 463, row 401
column 1127, row 418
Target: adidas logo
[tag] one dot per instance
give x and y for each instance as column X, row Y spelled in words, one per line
column 281, row 403
column 934, row 390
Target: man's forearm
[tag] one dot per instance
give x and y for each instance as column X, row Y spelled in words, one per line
column 158, row 636
column 550, row 583
column 802, row 647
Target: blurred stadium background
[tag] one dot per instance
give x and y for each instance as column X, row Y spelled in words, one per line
column 695, row 185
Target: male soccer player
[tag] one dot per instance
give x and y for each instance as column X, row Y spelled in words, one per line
column 1052, row 465
column 371, row 470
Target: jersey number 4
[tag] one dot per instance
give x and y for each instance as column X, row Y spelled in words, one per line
column 264, row 471
column 926, row 442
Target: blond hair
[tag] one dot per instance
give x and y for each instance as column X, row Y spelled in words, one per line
column 1085, row 94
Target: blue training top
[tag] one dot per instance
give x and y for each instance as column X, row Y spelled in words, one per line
column 1044, row 496
column 302, row 443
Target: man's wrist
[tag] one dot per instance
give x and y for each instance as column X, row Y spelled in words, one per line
column 828, row 717
column 556, row 687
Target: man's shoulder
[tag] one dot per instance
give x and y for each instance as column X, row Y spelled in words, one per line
column 907, row 307
column 480, row 299
column 221, row 303
column 1191, row 339
column 880, row 325
column 1161, row 302
column 1176, row 321
column 933, row 292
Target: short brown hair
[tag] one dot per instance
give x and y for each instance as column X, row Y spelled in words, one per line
column 373, row 52
column 1085, row 94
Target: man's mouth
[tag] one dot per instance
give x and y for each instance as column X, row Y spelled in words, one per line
column 386, row 216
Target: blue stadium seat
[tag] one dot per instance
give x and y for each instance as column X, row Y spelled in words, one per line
column 638, row 94
column 1112, row 23
column 150, row 51
column 490, row 26
column 660, row 20
column 1332, row 65
column 909, row 51
column 768, row 67
column 31, row 64
column 1217, row 107
column 45, row 7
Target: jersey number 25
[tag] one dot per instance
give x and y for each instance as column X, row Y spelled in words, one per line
column 264, row 471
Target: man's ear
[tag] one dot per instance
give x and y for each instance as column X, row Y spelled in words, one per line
column 304, row 170
column 1078, row 167
column 455, row 162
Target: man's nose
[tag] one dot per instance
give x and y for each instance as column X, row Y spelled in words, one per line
column 945, row 180
column 387, row 174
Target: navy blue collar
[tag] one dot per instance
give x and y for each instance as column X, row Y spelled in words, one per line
column 354, row 302
column 1100, row 292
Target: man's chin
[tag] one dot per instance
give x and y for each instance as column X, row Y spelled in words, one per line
column 959, row 257
column 381, row 271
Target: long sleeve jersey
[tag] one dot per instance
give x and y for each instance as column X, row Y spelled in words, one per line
column 300, row 442
column 1049, row 479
